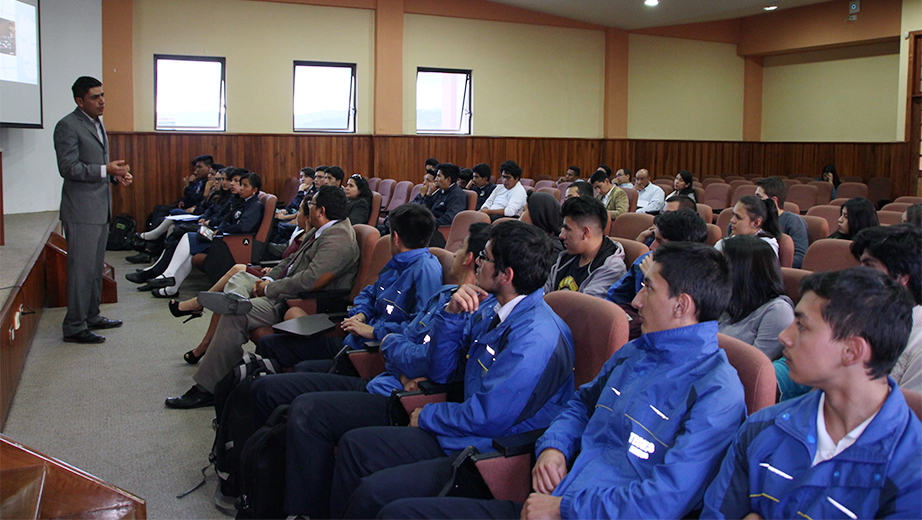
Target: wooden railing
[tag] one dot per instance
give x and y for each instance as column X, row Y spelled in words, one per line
column 159, row 160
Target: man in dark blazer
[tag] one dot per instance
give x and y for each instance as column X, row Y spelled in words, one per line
column 329, row 246
column 82, row 150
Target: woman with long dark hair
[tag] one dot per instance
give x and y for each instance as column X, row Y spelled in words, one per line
column 857, row 213
column 832, row 176
column 683, row 185
column 759, row 307
column 360, row 197
column 757, row 217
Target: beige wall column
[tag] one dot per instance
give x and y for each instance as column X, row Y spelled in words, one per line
column 117, row 64
column 616, row 70
column 752, row 99
column 389, row 67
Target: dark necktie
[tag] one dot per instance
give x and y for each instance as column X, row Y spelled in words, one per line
column 297, row 254
column 493, row 323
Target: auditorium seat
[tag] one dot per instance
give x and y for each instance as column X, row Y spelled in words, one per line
column 733, row 177
column 446, row 258
column 247, row 248
column 914, row 401
column 699, row 192
column 789, row 182
column 549, row 190
column 723, row 219
column 804, row 179
column 373, row 183
column 545, row 184
column 838, row 202
column 631, row 198
column 629, row 225
column 786, row 250
column 889, row 218
column 790, row 207
column 752, row 177
column 824, row 191
column 828, row 212
column 804, row 195
column 851, row 178
column 896, row 206
column 714, row 234
column 792, row 278
column 527, row 182
column 739, row 182
column 471, row 200
column 375, row 209
column 668, row 185
column 401, row 196
column 706, row 212
column 717, row 196
column 632, row 249
column 288, row 191
column 386, row 189
column 879, row 190
column 563, row 190
column 817, row 227
column 414, row 192
column 741, row 191
column 849, row 190
column 460, row 227
column 755, row 371
column 906, row 199
column 711, row 180
column 829, row 254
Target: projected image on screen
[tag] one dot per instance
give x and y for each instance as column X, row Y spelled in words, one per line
column 18, row 42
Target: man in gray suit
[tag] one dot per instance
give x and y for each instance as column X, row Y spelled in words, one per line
column 82, row 150
column 329, row 246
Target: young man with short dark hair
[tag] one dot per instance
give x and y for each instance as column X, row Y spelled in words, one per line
column 791, row 224
column 643, row 439
column 849, row 449
column 613, row 198
column 516, row 362
column 333, row 176
column 448, row 199
column 481, row 183
column 507, row 200
column 592, row 262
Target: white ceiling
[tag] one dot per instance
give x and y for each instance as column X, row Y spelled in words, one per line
column 633, row 14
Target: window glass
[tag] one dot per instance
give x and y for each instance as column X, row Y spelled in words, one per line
column 324, row 97
column 443, row 101
column 189, row 93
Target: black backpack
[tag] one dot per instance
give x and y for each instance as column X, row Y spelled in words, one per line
column 235, row 419
column 121, row 233
column 262, row 469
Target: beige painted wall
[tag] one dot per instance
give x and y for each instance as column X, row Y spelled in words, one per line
column 912, row 21
column 684, row 89
column 260, row 41
column 528, row 80
column 838, row 95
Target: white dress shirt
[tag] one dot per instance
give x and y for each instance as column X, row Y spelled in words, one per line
column 650, row 199
column 512, row 202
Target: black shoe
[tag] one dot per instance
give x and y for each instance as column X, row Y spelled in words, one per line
column 104, row 323
column 161, row 293
column 191, row 358
column 84, row 336
column 174, row 310
column 194, row 398
column 141, row 258
column 224, row 303
column 156, row 283
column 141, row 276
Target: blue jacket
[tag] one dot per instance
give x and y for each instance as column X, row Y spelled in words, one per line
column 243, row 218
column 406, row 353
column 403, row 287
column 767, row 470
column 517, row 377
column 625, row 289
column 649, row 432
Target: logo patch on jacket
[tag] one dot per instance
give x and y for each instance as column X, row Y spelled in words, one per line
column 237, row 214
column 640, row 447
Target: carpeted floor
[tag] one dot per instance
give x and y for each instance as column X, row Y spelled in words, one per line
column 100, row 407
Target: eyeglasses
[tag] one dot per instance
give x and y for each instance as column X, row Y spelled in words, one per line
column 310, row 204
column 483, row 257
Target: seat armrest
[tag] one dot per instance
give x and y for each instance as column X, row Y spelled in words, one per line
column 518, row 444
column 268, row 263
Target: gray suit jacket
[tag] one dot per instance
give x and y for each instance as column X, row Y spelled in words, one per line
column 85, row 196
column 336, row 251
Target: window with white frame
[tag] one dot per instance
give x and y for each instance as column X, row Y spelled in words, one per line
column 324, row 97
column 189, row 93
column 443, row 101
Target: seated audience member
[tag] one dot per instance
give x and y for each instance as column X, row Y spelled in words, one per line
column 645, row 438
column 912, row 216
column 432, row 165
column 604, row 168
column 683, row 185
column 650, row 197
column 542, row 210
column 683, row 225
column 613, row 198
column 330, row 248
column 623, row 178
column 857, row 213
column 403, row 287
column 894, row 251
column 447, row 198
column 507, row 200
column 571, row 175
column 759, row 309
column 673, row 203
column 757, row 217
column 831, row 176
column 465, row 176
column 360, row 199
column 334, row 176
column 791, row 223
column 325, row 406
column 287, row 216
column 850, row 449
column 516, row 362
column 194, row 191
column 592, row 262
column 481, row 183
column 243, row 218
column 428, row 187
column 320, row 176
column 580, row 188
